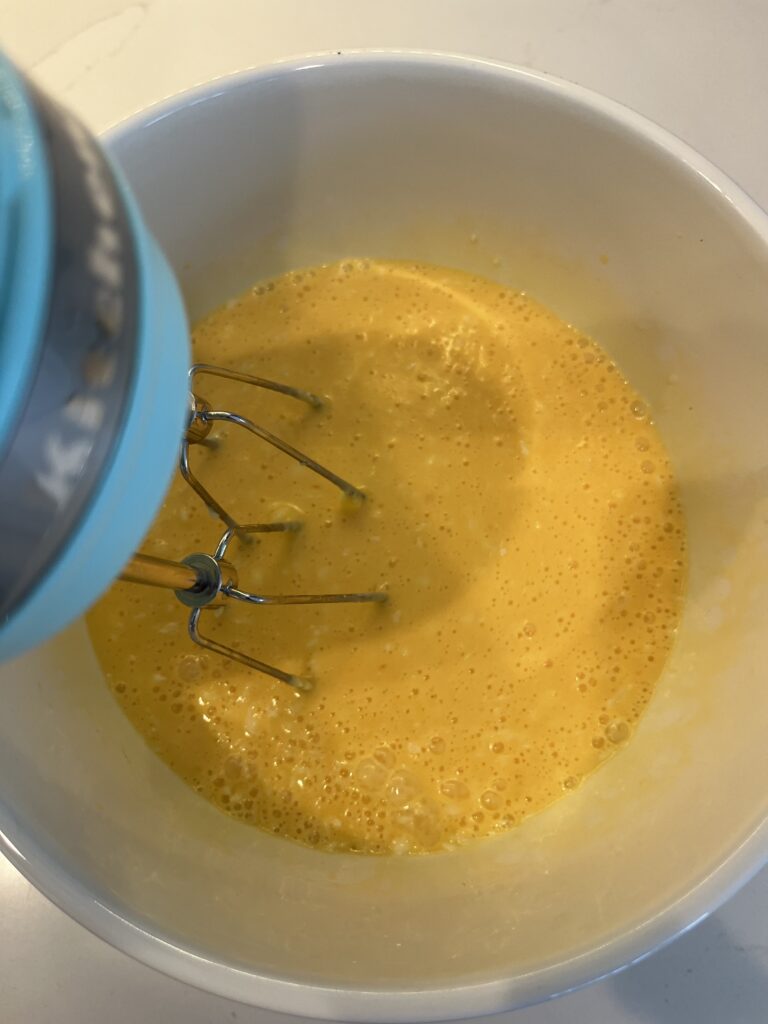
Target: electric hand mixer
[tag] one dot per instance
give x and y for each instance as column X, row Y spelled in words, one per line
column 95, row 400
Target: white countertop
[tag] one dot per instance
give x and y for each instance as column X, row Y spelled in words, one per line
column 698, row 67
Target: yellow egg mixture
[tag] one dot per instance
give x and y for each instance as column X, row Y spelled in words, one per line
column 521, row 514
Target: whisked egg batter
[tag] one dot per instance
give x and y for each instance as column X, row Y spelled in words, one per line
column 522, row 514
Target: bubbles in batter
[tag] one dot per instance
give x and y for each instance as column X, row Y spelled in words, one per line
column 522, row 515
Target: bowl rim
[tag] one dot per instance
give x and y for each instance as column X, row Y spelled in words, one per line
column 450, row 1002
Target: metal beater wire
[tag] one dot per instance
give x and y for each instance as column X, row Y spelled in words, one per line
column 203, row 415
column 230, row 652
column 374, row 597
column 229, row 590
column 218, row 416
column 260, row 382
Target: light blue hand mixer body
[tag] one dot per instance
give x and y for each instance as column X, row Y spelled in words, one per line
column 95, row 402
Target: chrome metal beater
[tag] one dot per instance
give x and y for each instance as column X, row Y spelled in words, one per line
column 203, row 581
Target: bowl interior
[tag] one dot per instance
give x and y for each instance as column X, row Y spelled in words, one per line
column 623, row 233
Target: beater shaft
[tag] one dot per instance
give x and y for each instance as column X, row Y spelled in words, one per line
column 159, row 572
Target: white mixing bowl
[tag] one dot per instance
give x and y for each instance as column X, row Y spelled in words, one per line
column 622, row 230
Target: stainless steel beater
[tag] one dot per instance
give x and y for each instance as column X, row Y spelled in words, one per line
column 207, row 581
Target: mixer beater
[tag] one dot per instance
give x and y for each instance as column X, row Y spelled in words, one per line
column 204, row 581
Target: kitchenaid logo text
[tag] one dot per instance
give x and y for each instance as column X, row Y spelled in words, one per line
column 66, row 450
column 104, row 254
